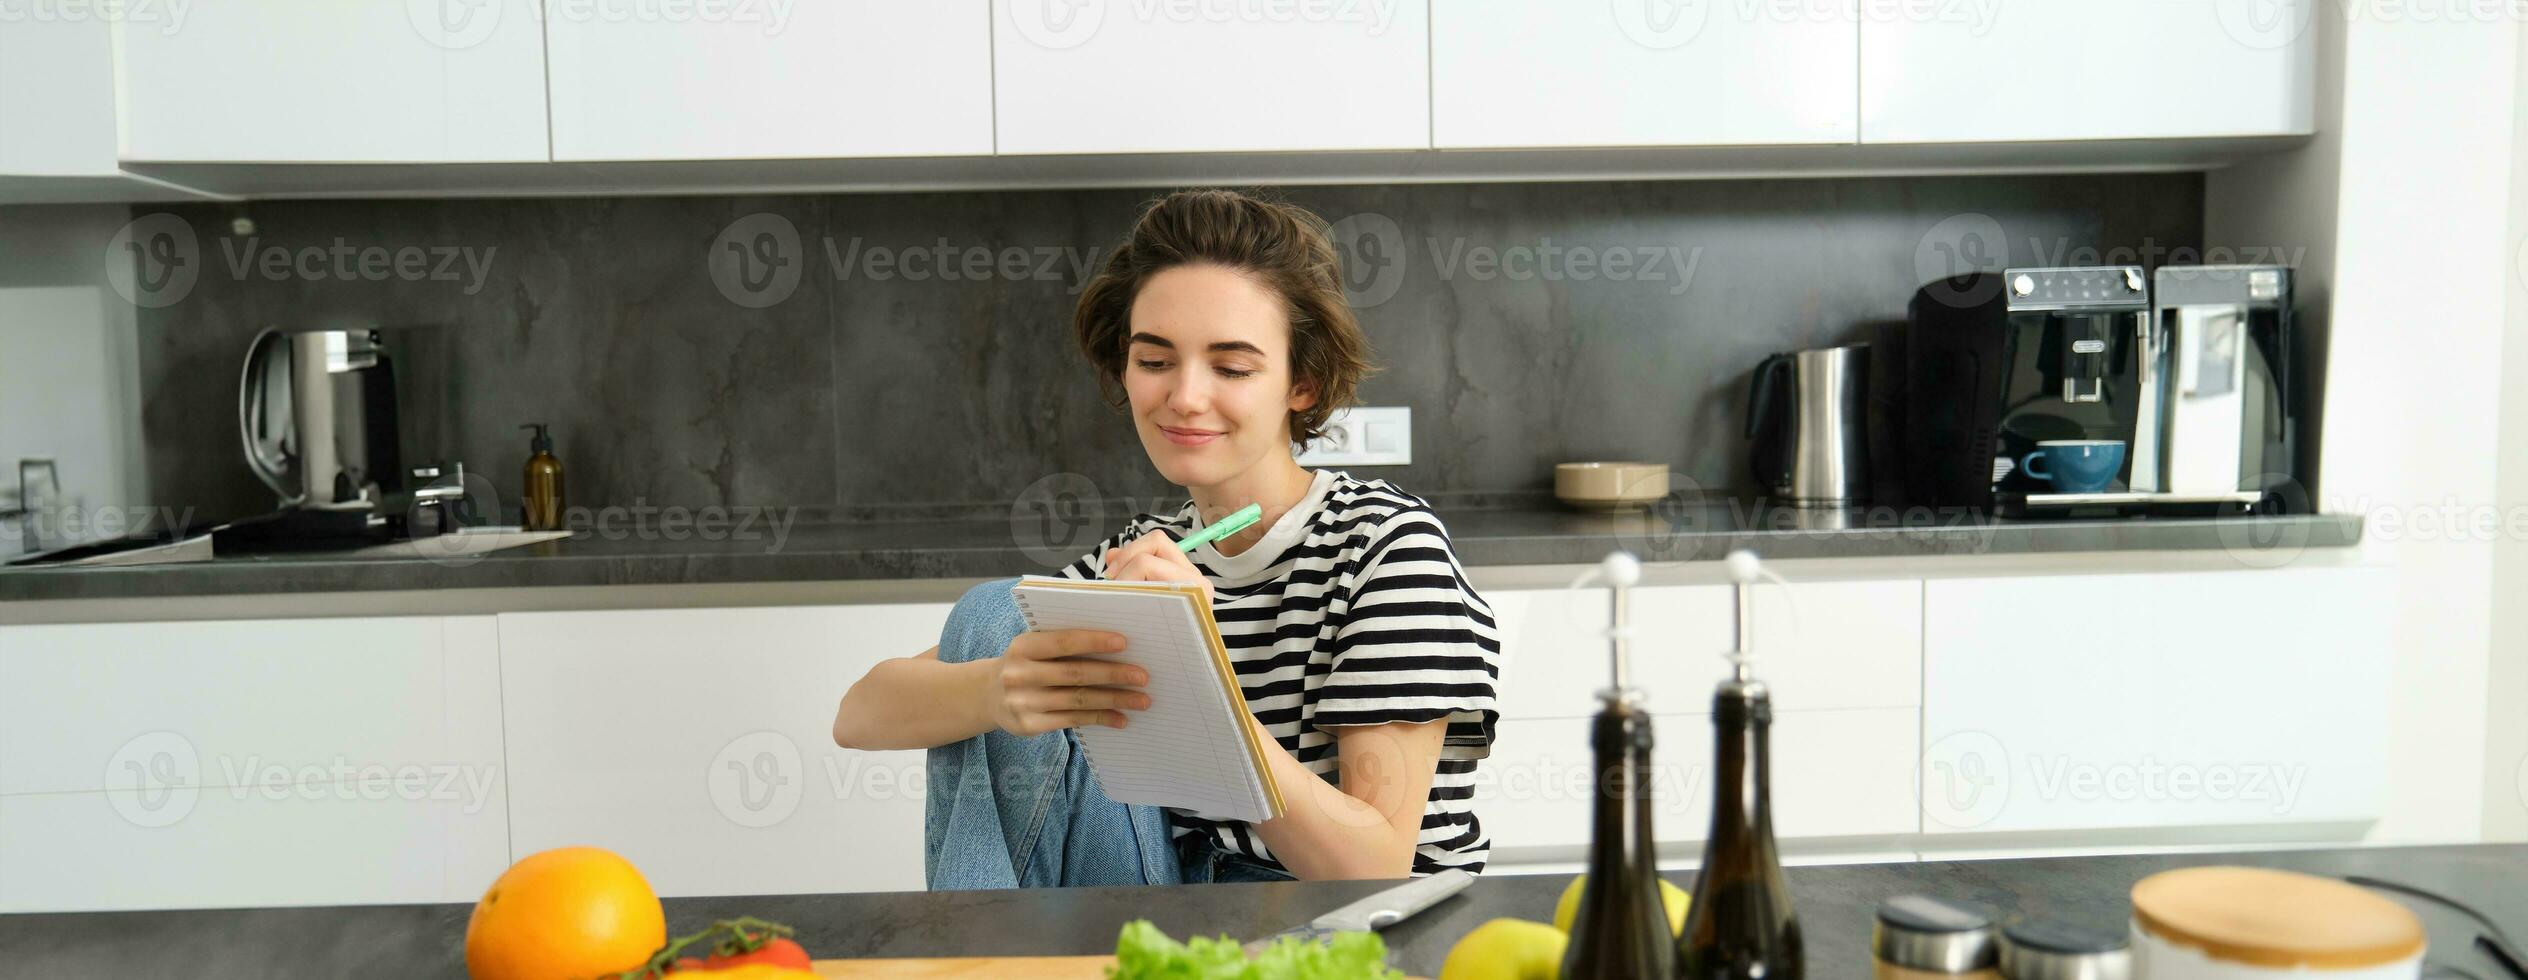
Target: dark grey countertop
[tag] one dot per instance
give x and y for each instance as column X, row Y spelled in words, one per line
column 762, row 549
column 1834, row 905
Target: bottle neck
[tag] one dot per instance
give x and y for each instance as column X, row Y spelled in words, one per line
column 1742, row 792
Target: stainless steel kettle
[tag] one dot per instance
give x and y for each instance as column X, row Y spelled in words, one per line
column 316, row 410
column 1807, row 424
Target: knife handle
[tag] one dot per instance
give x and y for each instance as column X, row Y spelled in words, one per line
column 1395, row 904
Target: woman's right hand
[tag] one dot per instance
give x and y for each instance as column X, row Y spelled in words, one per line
column 1047, row 681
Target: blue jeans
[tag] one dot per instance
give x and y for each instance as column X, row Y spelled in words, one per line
column 1011, row 812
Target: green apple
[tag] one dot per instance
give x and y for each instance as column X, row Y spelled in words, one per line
column 1670, row 895
column 1506, row 949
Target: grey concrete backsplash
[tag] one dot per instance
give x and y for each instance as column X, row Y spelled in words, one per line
column 889, row 354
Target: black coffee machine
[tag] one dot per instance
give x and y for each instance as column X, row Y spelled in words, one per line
column 2184, row 374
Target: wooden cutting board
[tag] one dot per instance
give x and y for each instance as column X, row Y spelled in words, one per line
column 957, row 968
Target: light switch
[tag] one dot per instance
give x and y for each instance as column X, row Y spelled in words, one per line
column 1363, row 437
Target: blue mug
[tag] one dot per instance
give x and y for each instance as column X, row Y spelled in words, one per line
column 2075, row 465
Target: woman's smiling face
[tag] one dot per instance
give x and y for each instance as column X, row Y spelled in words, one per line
column 1207, row 370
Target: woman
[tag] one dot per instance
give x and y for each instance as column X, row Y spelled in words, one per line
column 1366, row 659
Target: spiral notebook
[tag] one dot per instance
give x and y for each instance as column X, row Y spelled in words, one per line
column 1192, row 748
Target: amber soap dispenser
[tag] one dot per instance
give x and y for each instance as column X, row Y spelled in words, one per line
column 542, row 506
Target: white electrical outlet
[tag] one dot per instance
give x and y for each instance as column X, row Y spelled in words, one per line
column 1363, row 437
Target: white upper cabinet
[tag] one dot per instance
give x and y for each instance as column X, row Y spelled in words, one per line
column 2081, row 70
column 1156, row 76
column 338, row 81
column 869, row 78
column 1519, row 73
column 56, row 98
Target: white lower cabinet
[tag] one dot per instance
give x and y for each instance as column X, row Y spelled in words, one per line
column 2072, row 703
column 410, row 759
column 697, row 744
column 264, row 762
column 1835, row 773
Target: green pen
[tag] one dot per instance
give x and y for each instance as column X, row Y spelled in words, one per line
column 1222, row 528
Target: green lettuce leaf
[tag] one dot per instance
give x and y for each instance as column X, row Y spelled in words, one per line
column 1142, row 952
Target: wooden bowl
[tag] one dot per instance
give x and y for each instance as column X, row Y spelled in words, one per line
column 1610, row 486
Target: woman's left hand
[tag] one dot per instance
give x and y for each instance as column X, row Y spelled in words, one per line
column 1154, row 557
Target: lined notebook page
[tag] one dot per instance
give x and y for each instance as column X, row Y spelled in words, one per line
column 1190, row 749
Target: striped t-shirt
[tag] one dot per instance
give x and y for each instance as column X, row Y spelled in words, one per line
column 1352, row 610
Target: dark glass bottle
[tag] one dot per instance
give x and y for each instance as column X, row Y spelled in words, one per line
column 1621, row 928
column 1741, row 925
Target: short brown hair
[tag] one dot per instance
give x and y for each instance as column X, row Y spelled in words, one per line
column 1280, row 245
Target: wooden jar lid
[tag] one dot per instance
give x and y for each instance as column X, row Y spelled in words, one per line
column 2265, row 917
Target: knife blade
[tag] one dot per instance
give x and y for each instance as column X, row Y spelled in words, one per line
column 1378, row 911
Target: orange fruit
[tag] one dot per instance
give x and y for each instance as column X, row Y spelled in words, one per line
column 571, row 912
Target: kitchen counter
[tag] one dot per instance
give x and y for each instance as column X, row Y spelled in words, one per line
column 1834, row 903
column 763, row 549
